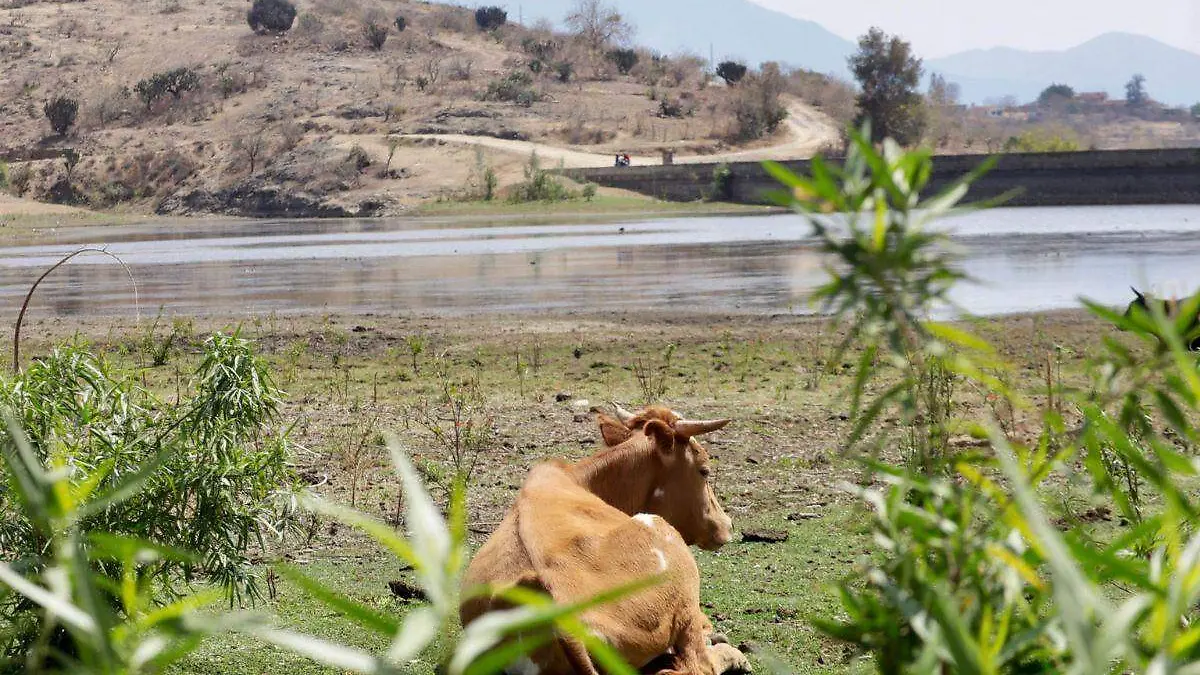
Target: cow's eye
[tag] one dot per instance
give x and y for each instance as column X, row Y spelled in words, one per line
column 705, row 471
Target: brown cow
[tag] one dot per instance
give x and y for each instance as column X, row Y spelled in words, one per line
column 625, row 513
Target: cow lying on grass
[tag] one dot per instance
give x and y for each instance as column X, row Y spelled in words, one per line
column 1170, row 308
column 626, row 513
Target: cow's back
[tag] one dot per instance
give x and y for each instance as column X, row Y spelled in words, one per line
column 501, row 561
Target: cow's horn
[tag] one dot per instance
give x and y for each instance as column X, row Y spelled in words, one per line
column 622, row 414
column 689, row 428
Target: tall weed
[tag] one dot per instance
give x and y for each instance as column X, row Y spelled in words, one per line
column 970, row 575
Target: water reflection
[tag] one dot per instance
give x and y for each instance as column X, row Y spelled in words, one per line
column 1026, row 259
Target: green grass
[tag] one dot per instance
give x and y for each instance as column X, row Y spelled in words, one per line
column 600, row 205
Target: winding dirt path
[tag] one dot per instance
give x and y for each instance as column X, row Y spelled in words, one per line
column 808, row 130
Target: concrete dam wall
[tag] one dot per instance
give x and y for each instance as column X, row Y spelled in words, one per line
column 1103, row 177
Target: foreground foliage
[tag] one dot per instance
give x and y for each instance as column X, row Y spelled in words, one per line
column 971, row 575
column 211, row 472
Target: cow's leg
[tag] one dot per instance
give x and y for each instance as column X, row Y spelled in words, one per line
column 577, row 655
column 692, row 652
column 728, row 659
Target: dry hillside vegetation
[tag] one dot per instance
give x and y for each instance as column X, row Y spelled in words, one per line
column 182, row 108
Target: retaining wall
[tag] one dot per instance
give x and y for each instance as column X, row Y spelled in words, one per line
column 1104, row 177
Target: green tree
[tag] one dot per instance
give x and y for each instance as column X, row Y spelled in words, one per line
column 888, row 75
column 1135, row 92
column 271, row 16
column 61, row 112
column 1056, row 93
column 1196, row 110
column 731, row 71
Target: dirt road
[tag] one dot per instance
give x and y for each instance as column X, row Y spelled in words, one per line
column 807, row 128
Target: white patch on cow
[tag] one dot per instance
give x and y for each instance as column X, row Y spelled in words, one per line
column 523, row 666
column 662, row 560
column 658, row 493
column 646, row 519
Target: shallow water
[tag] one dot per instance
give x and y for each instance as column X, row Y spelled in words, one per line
column 1025, row 260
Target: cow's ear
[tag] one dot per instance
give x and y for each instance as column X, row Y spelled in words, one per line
column 663, row 437
column 612, row 431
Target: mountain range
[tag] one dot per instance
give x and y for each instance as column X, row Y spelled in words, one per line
column 1104, row 63
column 737, row 29
column 743, row 30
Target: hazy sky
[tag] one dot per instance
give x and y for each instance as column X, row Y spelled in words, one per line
column 940, row 27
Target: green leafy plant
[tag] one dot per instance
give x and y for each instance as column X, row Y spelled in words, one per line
column 92, row 595
column 970, row 574
column 721, row 188
column 539, row 186
column 220, row 477
column 892, row 271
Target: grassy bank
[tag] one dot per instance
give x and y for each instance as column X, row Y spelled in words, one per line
column 22, row 221
column 601, row 205
column 530, row 383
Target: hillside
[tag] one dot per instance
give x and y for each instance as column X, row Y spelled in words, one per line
column 1104, row 63
column 302, row 124
column 730, row 28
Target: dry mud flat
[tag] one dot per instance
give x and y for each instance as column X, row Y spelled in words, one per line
column 778, row 466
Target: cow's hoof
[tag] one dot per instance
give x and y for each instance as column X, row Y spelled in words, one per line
column 726, row 659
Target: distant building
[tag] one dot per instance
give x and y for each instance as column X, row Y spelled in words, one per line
column 1007, row 113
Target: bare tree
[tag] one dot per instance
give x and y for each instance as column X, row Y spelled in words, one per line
column 431, row 72
column 599, row 24
column 393, row 144
column 252, row 146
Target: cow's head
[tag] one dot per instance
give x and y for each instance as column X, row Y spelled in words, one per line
column 681, row 494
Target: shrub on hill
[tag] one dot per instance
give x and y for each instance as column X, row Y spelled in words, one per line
column 516, row 87
column 490, row 17
column 624, row 59
column 375, row 33
column 731, row 71
column 174, row 82
column 271, row 16
column 61, row 111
